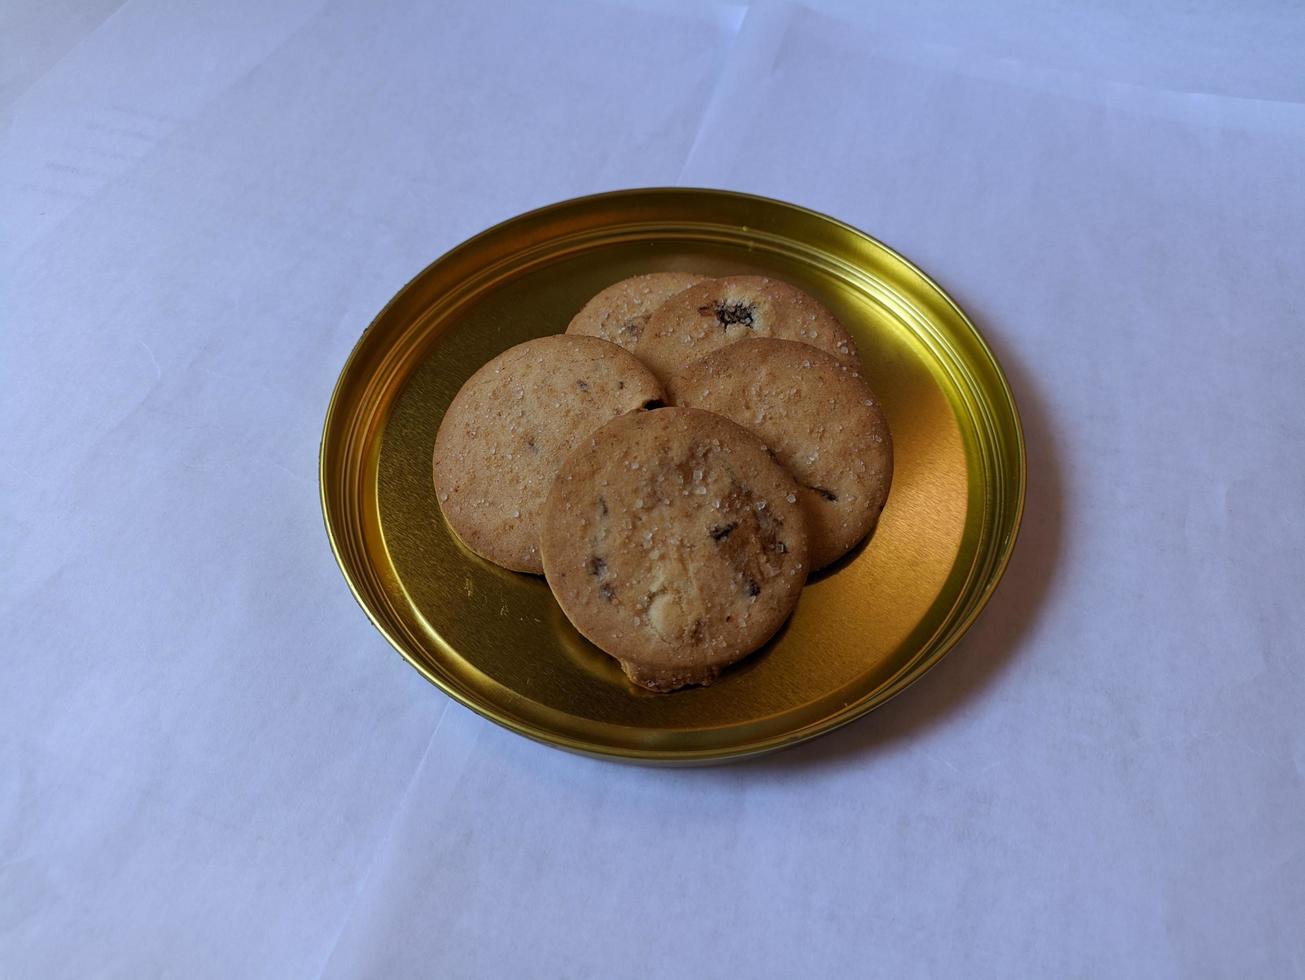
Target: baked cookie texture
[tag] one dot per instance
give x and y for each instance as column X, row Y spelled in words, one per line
column 618, row 313
column 673, row 541
column 512, row 424
column 819, row 418
column 718, row 312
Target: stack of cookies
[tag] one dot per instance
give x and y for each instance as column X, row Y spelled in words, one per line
column 675, row 464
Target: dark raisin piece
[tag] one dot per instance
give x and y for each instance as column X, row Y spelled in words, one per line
column 597, row 567
column 620, row 385
column 730, row 313
column 753, row 588
column 781, row 547
column 606, row 592
column 722, row 531
column 582, row 385
column 602, row 506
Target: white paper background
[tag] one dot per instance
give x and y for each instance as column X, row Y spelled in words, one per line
column 210, row 765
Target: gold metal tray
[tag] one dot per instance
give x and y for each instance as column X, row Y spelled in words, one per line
column 497, row 641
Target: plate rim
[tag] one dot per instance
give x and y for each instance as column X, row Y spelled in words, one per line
column 681, row 757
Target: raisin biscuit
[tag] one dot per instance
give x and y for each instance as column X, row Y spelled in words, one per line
column 819, row 418
column 511, row 425
column 619, row 312
column 712, row 314
column 675, row 543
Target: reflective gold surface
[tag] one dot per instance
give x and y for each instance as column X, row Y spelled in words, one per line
column 497, row 641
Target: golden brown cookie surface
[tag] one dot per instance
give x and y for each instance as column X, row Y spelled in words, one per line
column 619, row 313
column 511, row 425
column 713, row 314
column 820, row 419
column 675, row 543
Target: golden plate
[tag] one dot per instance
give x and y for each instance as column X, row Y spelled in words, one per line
column 497, row 641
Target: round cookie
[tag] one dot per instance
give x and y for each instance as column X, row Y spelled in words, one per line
column 511, row 425
column 619, row 312
column 675, row 543
column 712, row 314
column 819, row 418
